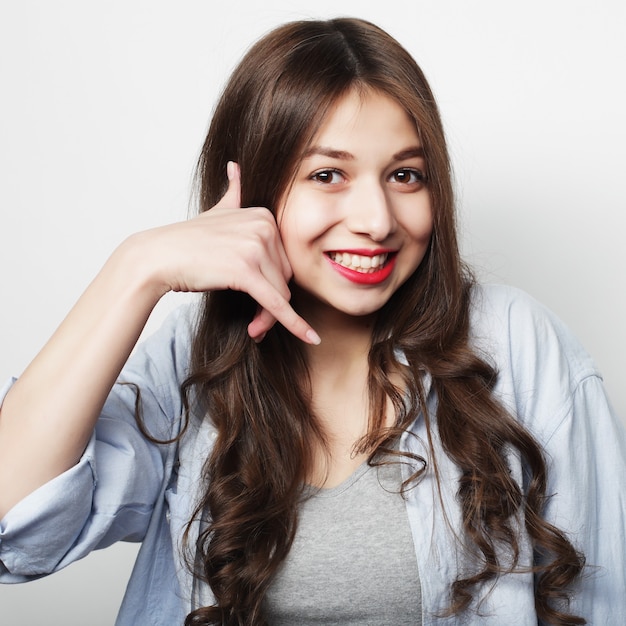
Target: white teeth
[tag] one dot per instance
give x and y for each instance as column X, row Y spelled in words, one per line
column 360, row 263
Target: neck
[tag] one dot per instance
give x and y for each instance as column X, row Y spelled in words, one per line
column 346, row 339
column 338, row 370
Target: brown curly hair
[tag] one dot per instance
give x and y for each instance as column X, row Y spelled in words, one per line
column 258, row 395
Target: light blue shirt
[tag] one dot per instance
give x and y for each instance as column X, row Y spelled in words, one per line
column 126, row 488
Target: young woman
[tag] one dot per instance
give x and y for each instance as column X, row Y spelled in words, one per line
column 349, row 430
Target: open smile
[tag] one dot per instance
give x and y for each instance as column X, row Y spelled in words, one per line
column 360, row 262
column 363, row 266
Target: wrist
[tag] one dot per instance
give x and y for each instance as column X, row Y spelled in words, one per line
column 135, row 268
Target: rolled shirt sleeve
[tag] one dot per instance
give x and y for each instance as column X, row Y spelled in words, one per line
column 109, row 495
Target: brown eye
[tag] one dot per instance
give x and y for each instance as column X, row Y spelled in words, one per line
column 408, row 176
column 328, row 177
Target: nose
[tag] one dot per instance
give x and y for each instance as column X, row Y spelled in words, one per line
column 370, row 212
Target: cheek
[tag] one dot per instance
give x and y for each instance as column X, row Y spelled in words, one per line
column 289, row 239
column 294, row 237
column 301, row 223
column 418, row 224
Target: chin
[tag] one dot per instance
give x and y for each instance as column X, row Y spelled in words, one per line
column 358, row 310
column 344, row 302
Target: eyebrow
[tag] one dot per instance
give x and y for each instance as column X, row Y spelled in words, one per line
column 329, row 152
column 409, row 153
column 343, row 155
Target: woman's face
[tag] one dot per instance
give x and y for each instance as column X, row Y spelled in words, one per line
column 357, row 221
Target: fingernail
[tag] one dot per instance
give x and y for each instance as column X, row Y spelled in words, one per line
column 260, row 338
column 313, row 337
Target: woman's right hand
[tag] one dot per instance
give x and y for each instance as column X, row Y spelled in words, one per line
column 49, row 414
column 227, row 247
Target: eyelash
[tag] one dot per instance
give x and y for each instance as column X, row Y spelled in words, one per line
column 419, row 176
column 316, row 176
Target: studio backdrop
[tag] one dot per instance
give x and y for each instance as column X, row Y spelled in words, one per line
column 104, row 106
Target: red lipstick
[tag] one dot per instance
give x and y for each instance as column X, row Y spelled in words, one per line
column 375, row 277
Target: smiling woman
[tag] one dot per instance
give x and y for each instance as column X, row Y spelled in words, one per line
column 349, row 429
column 357, row 219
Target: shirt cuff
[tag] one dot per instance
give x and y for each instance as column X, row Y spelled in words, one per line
column 5, row 389
column 38, row 534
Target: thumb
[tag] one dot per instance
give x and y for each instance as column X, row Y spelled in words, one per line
column 232, row 198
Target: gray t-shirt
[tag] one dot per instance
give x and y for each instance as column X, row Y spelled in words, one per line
column 352, row 560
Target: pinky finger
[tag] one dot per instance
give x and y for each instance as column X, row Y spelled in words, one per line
column 260, row 324
column 274, row 308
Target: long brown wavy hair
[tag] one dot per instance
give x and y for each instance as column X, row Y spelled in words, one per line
column 258, row 395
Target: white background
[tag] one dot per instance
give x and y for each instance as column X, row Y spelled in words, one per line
column 104, row 106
